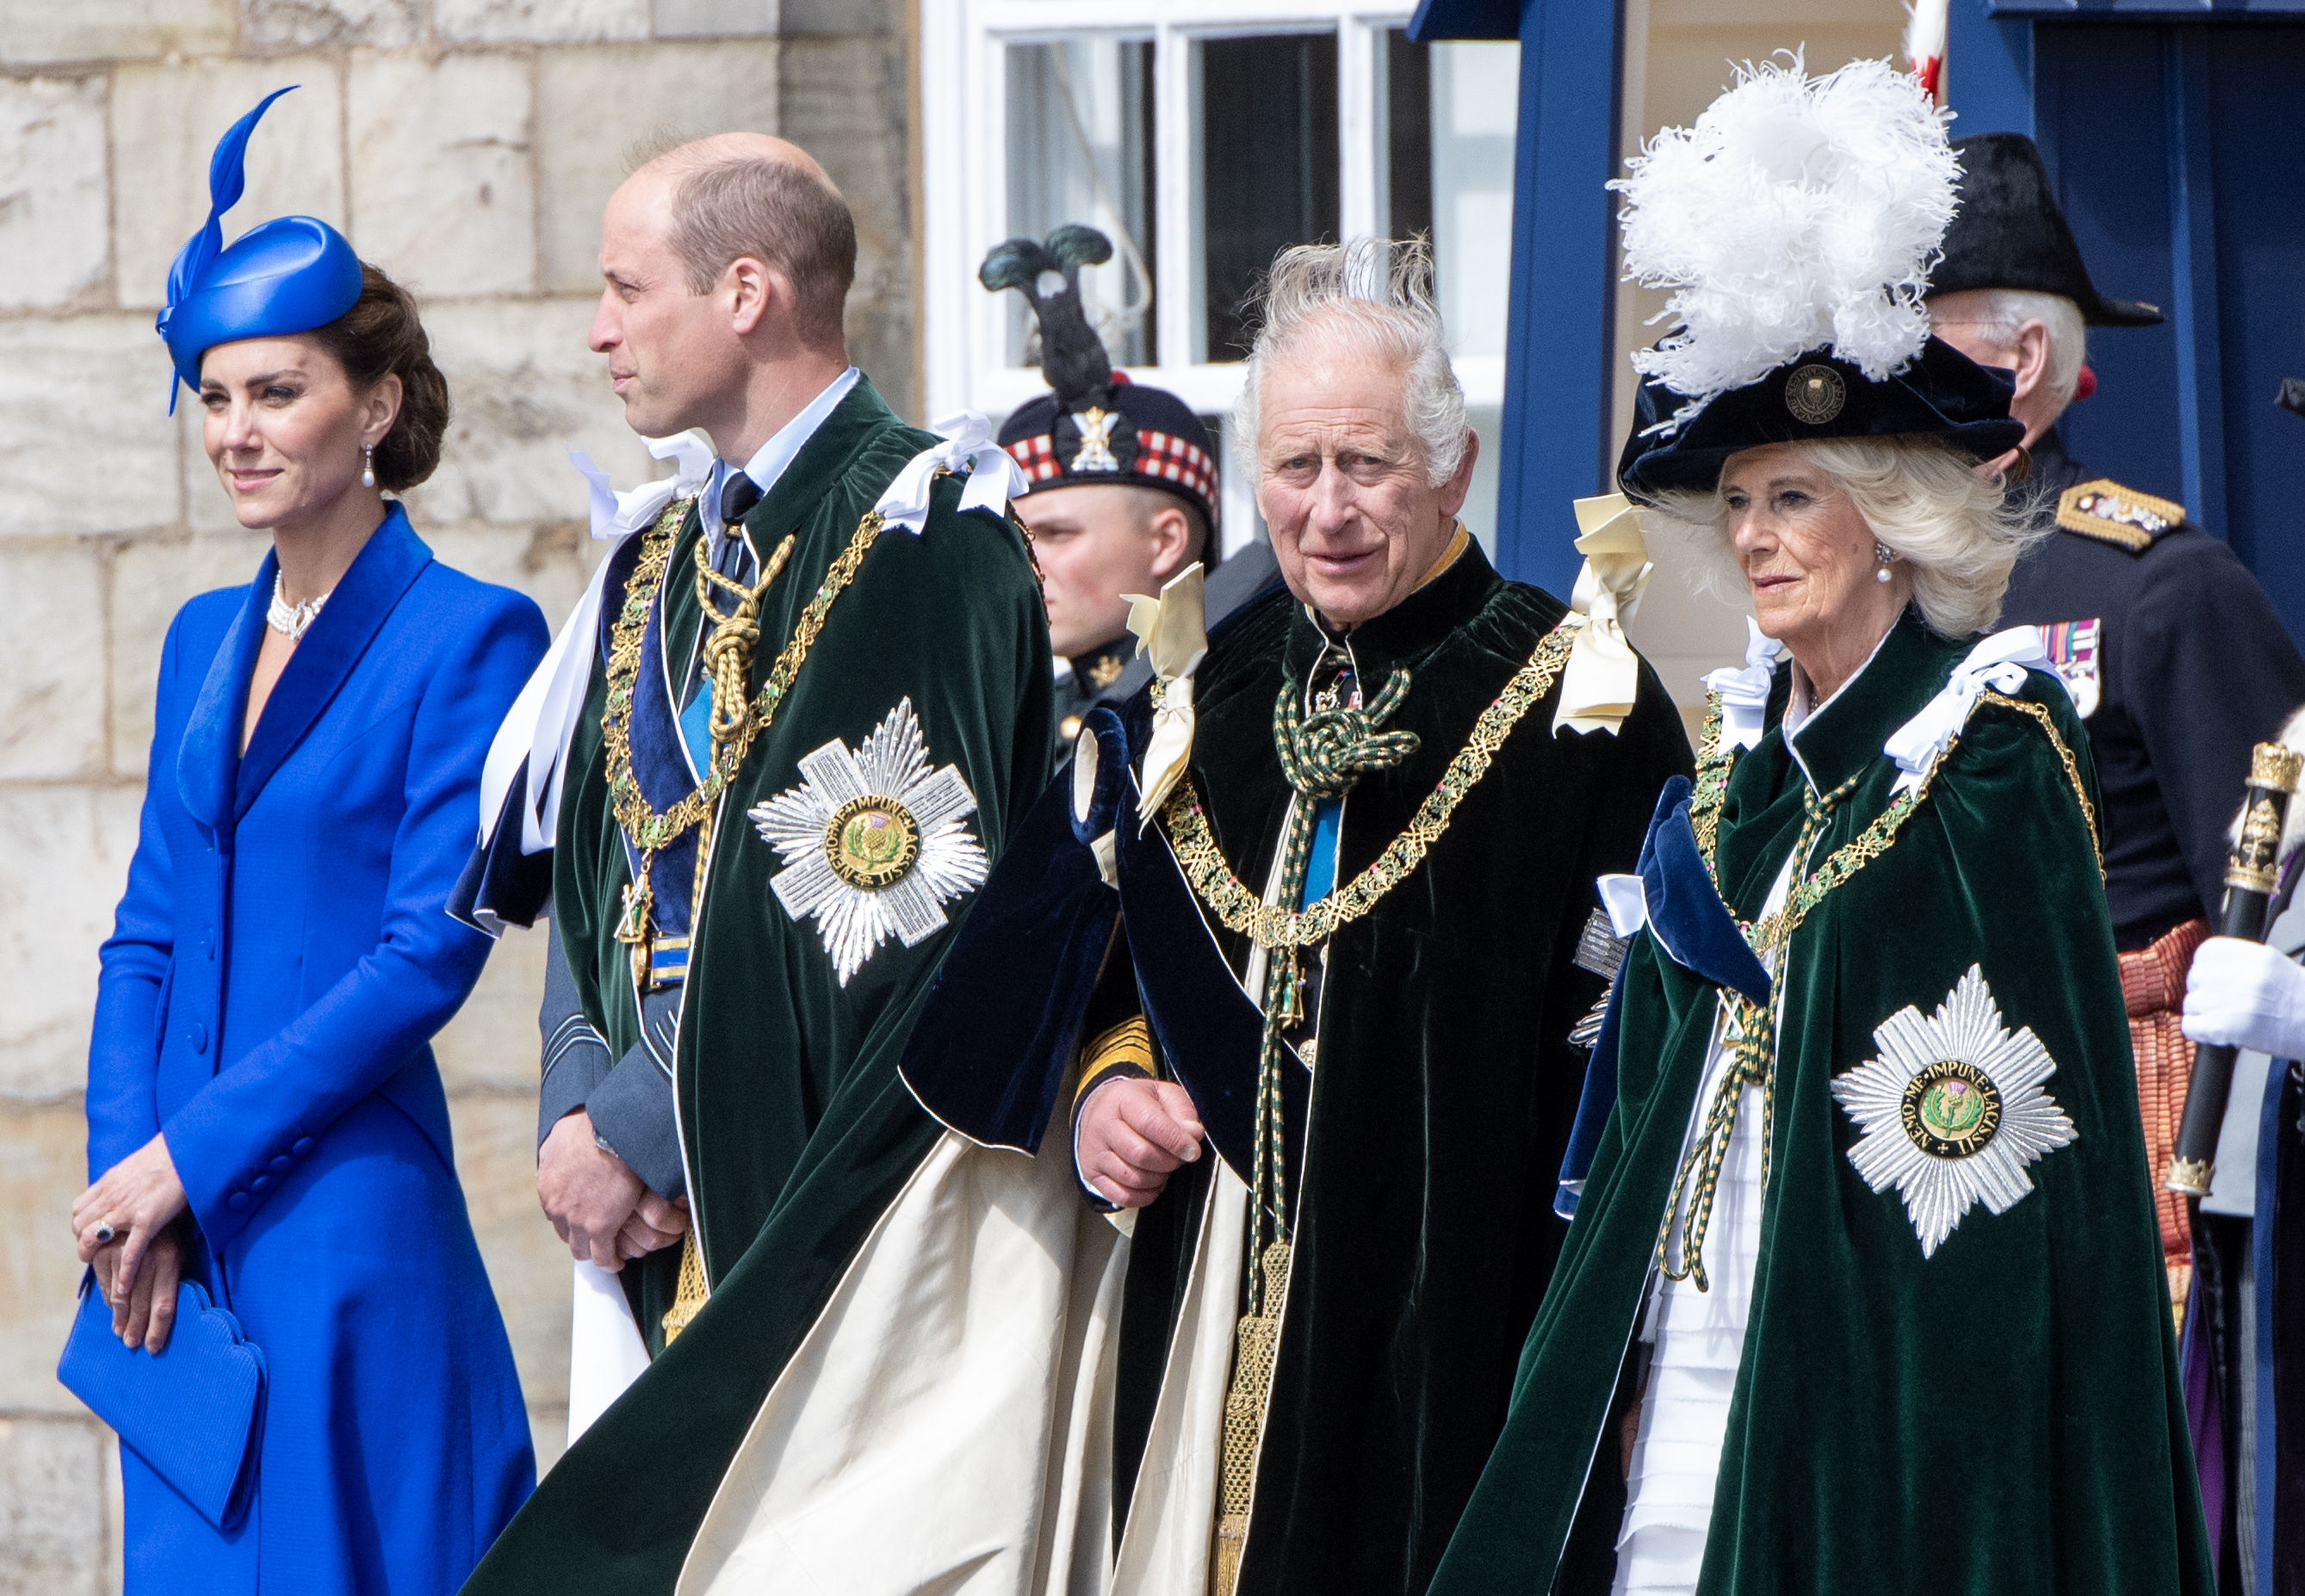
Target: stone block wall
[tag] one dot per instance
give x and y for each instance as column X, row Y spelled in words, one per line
column 466, row 146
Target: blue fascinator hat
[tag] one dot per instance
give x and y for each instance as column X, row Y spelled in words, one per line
column 290, row 274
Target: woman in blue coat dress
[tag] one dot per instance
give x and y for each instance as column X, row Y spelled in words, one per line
column 265, row 1116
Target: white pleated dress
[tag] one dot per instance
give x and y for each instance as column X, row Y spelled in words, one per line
column 1697, row 1339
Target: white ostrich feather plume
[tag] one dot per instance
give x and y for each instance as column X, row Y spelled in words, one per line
column 1797, row 212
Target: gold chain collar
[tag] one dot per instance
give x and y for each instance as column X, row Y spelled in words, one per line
column 649, row 829
column 1271, row 926
column 1751, row 1035
column 1810, row 889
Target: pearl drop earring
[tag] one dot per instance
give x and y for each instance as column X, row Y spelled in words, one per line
column 1883, row 553
column 368, row 476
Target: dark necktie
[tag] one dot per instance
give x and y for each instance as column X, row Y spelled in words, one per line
column 733, row 560
column 737, row 497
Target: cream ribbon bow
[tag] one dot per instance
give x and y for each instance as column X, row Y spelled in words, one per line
column 2000, row 662
column 1745, row 694
column 965, row 443
column 1603, row 675
column 1173, row 631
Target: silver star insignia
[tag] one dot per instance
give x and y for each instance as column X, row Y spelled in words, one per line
column 874, row 842
column 1953, row 1110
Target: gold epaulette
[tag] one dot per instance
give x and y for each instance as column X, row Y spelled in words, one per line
column 2111, row 514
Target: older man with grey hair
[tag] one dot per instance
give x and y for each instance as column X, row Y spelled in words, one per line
column 1292, row 959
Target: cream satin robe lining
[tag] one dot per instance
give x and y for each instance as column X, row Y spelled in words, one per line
column 945, row 1427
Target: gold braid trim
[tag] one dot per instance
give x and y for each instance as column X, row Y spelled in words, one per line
column 1847, row 860
column 1130, row 1042
column 2042, row 719
column 1873, row 841
column 649, row 829
column 690, row 1292
column 1713, row 766
column 1271, row 925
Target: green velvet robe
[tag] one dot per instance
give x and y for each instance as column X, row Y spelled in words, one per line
column 1445, row 1083
column 2003, row 1416
column 795, row 1128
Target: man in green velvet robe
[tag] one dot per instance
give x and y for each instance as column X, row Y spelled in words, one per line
column 1320, row 1319
column 811, row 699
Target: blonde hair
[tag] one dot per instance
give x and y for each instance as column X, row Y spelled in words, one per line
column 1960, row 533
column 1374, row 296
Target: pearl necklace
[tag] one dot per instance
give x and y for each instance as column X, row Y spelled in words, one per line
column 292, row 621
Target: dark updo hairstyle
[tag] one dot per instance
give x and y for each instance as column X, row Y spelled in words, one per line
column 381, row 337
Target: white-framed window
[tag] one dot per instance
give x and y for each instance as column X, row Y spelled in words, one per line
column 1201, row 136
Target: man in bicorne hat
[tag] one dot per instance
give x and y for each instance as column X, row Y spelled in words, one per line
column 1121, row 485
column 2177, row 662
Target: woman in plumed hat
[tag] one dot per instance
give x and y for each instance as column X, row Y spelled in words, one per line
column 265, row 1114
column 1862, row 1291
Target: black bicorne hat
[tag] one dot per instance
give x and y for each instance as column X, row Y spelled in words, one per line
column 2010, row 232
column 1941, row 393
column 1096, row 426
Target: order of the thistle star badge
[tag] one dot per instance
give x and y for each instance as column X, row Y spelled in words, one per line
column 874, row 842
column 1953, row 1110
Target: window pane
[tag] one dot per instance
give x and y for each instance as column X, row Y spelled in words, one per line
column 1268, row 157
column 1405, row 149
column 1480, row 512
column 1238, row 523
column 1474, row 95
column 1080, row 149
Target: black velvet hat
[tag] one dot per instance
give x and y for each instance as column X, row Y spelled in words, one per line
column 2010, row 232
column 1096, row 426
column 1941, row 393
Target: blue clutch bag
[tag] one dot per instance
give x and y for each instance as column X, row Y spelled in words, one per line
column 193, row 1410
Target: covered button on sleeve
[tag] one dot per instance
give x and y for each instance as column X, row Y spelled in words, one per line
column 237, row 1201
column 303, row 1145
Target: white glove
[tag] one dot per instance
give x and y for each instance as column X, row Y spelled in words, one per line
column 2245, row 995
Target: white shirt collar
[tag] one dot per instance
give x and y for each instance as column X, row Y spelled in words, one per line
column 779, row 452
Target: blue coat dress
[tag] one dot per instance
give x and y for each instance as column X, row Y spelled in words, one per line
column 280, row 962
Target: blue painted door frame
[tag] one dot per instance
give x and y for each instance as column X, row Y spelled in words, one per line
column 2176, row 137
column 1559, row 333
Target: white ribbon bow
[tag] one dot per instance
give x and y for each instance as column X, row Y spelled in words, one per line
column 1745, row 694
column 1603, row 675
column 541, row 720
column 2000, row 662
column 615, row 513
column 1173, row 631
column 994, row 476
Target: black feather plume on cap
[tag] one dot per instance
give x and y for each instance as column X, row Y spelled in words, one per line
column 1072, row 357
column 1096, row 427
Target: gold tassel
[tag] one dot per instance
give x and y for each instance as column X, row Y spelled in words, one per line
column 1258, row 1347
column 689, row 1295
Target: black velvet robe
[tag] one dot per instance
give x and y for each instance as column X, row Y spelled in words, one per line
column 1445, row 1084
